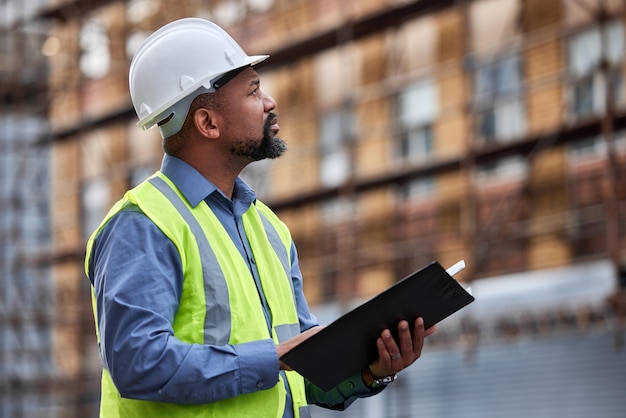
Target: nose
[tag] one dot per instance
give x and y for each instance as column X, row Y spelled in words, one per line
column 268, row 102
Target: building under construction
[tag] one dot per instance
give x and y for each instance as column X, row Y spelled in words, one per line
column 492, row 131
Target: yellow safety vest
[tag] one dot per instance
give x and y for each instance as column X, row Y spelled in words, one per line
column 214, row 270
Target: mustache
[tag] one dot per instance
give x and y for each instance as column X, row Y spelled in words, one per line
column 268, row 122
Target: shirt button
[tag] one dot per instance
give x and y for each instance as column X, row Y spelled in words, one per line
column 351, row 385
column 260, row 384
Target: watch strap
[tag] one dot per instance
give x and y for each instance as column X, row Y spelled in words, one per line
column 376, row 382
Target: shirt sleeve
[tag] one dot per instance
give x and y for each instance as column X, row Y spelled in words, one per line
column 341, row 396
column 137, row 277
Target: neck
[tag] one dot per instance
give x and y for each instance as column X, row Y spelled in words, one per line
column 223, row 181
column 219, row 171
column 211, row 158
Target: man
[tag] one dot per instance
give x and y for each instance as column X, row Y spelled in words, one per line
column 196, row 284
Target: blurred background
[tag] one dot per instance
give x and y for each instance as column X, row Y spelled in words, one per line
column 492, row 131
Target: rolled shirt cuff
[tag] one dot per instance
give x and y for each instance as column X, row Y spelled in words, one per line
column 258, row 365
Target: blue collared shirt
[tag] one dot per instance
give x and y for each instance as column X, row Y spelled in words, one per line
column 137, row 276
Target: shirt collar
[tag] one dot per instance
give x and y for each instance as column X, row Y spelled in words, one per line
column 195, row 187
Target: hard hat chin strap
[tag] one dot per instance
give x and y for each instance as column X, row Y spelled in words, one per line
column 175, row 115
column 228, row 76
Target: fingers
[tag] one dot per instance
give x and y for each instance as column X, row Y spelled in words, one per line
column 284, row 347
column 430, row 331
column 399, row 353
column 284, row 366
column 395, row 356
column 390, row 352
column 408, row 347
column 419, row 333
column 390, row 359
column 406, row 343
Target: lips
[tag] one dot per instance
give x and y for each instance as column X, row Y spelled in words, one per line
column 274, row 124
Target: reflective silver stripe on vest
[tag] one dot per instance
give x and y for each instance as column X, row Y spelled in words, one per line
column 215, row 287
column 286, row 331
column 304, row 412
column 279, row 249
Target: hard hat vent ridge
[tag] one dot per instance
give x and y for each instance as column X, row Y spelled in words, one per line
column 144, row 110
column 185, row 82
column 228, row 54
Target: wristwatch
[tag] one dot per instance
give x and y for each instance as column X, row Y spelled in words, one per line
column 372, row 382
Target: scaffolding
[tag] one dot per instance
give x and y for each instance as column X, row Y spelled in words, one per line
column 27, row 308
column 45, row 310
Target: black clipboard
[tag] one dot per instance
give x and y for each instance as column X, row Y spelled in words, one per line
column 347, row 345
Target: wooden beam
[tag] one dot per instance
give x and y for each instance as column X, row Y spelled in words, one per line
column 358, row 29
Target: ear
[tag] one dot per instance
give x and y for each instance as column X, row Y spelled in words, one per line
column 205, row 121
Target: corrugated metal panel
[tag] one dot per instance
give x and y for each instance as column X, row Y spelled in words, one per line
column 578, row 375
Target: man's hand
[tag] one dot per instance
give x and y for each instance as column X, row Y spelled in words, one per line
column 394, row 357
column 283, row 348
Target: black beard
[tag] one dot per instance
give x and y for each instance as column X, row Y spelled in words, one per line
column 270, row 147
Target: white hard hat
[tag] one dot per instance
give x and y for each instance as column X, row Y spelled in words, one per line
column 184, row 57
